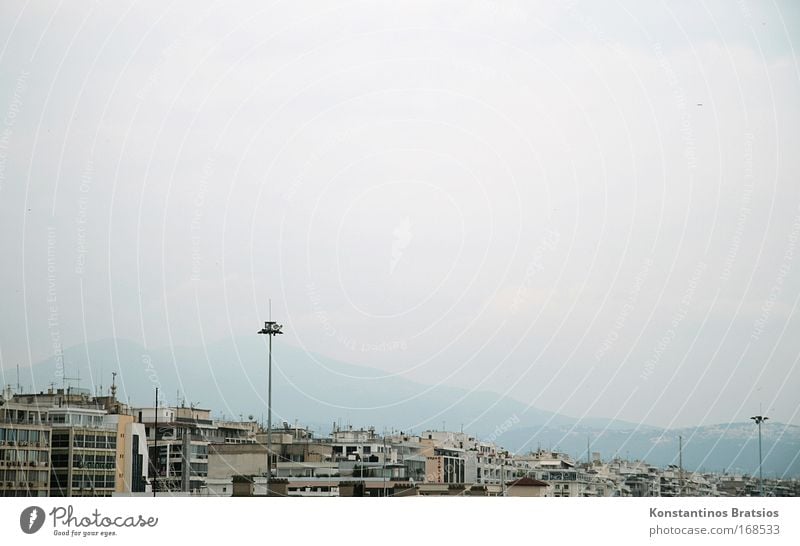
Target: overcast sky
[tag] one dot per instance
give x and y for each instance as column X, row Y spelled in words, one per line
column 594, row 209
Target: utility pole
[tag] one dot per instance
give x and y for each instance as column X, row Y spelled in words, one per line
column 503, row 478
column 384, row 463
column 155, row 446
column 186, row 459
column 588, row 452
column 760, row 419
column 680, row 466
column 271, row 329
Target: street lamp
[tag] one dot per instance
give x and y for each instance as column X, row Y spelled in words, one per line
column 271, row 329
column 760, row 419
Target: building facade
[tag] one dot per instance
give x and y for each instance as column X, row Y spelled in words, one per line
column 24, row 451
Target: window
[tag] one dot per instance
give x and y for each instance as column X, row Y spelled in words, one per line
column 58, row 481
column 59, row 460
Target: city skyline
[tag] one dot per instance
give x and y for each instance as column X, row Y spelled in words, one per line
column 514, row 425
column 70, row 443
column 539, row 254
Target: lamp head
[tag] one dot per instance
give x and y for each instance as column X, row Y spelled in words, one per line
column 271, row 328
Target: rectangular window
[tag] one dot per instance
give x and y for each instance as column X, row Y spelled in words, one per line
column 59, row 460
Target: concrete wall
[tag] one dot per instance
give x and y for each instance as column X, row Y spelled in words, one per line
column 526, row 491
column 227, row 460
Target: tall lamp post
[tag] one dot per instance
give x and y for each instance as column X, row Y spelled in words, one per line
column 760, row 419
column 271, row 329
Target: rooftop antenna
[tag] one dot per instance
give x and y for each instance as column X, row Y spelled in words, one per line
column 114, row 384
column 65, row 379
column 19, row 390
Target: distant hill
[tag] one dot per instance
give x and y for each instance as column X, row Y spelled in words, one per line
column 230, row 377
column 728, row 447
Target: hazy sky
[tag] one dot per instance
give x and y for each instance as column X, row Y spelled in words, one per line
column 594, row 209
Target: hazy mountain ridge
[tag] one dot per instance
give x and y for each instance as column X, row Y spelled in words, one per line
column 731, row 448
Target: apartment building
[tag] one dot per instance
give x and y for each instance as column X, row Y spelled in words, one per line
column 93, row 447
column 84, row 453
column 24, row 450
column 178, row 446
column 179, row 440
